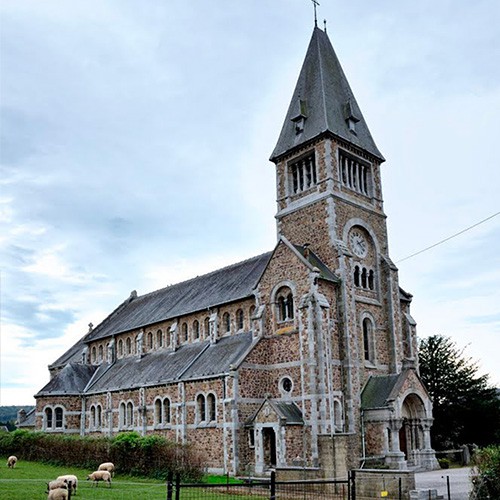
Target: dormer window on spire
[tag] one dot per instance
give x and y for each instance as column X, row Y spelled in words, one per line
column 302, row 173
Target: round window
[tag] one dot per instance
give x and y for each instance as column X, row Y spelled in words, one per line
column 286, row 384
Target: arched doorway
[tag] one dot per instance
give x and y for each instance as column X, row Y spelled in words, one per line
column 411, row 432
column 269, row 444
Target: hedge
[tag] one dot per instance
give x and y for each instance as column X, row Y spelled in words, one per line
column 150, row 456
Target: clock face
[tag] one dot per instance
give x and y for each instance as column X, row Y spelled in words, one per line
column 359, row 245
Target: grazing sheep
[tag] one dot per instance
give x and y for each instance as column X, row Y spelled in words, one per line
column 109, row 466
column 70, row 477
column 58, row 494
column 11, row 462
column 57, row 483
column 100, row 475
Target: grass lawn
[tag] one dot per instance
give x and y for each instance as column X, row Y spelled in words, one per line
column 28, row 482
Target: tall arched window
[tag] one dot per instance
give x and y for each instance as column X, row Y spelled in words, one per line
column 150, row 340
column 94, row 354
column 196, row 329
column 184, row 332
column 130, row 414
column 211, row 407
column 226, row 323
column 159, row 338
column 48, row 418
column 368, row 341
column 168, row 338
column 239, row 319
column 92, row 416
column 123, row 415
column 206, row 327
column 158, row 412
column 200, row 408
column 99, row 416
column 101, row 353
column 128, row 344
column 284, row 304
column 166, row 411
column 120, row 347
column 58, row 413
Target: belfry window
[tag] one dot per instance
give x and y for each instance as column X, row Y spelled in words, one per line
column 364, row 278
column 355, row 174
column 303, row 174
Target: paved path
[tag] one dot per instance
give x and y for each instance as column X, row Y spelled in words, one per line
column 460, row 484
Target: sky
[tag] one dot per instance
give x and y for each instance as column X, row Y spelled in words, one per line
column 135, row 139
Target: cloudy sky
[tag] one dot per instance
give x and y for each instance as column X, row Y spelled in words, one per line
column 135, row 146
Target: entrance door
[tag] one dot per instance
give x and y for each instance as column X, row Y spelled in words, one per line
column 269, row 442
column 403, row 443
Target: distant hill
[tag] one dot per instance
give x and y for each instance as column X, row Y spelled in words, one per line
column 9, row 413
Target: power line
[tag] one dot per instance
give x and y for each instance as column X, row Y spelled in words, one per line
column 449, row 238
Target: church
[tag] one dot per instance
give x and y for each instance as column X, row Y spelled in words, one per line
column 304, row 357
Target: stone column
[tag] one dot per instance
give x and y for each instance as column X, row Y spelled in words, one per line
column 259, row 450
column 395, row 457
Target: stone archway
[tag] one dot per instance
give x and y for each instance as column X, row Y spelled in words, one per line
column 411, row 434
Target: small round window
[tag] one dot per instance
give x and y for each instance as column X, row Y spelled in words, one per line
column 286, row 384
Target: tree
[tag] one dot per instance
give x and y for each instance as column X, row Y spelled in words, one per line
column 466, row 408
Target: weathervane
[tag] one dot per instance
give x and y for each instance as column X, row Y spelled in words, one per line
column 316, row 3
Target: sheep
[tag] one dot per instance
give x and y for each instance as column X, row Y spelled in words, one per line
column 54, row 485
column 100, row 475
column 109, row 466
column 11, row 462
column 70, row 477
column 58, row 494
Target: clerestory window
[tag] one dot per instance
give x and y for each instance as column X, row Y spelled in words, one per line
column 284, row 304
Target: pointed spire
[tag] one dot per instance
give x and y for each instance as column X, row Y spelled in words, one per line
column 323, row 102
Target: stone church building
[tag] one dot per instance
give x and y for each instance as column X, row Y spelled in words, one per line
column 305, row 356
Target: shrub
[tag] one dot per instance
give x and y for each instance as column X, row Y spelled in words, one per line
column 444, row 463
column 486, row 483
column 151, row 456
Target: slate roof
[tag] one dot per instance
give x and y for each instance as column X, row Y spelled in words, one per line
column 189, row 361
column 324, row 271
column 325, row 100
column 71, row 380
column 378, row 390
column 30, row 420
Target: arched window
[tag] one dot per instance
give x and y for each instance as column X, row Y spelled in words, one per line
column 284, row 304
column 166, row 411
column 211, row 408
column 58, row 413
column 251, row 312
column 184, row 332
column 48, row 418
column 128, row 344
column 200, row 408
column 239, row 319
column 196, row 329
column 92, row 416
column 101, row 353
column 368, row 340
column 120, row 347
column 159, row 338
column 158, row 412
column 94, row 354
column 150, row 340
column 123, row 415
column 99, row 416
column 226, row 323
column 207, row 327
column 168, row 338
column 130, row 414
column 371, row 279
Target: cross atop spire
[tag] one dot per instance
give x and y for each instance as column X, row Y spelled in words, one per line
column 315, row 3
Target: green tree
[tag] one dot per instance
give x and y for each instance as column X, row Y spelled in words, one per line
column 466, row 407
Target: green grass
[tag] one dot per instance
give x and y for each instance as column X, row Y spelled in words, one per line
column 28, row 482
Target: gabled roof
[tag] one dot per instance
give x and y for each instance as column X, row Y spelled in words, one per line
column 324, row 271
column 71, row 380
column 377, row 391
column 285, row 410
column 323, row 102
column 224, row 285
column 189, row 361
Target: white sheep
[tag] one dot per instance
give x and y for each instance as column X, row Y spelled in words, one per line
column 100, row 475
column 57, row 483
column 58, row 494
column 70, row 477
column 11, row 462
column 109, row 466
